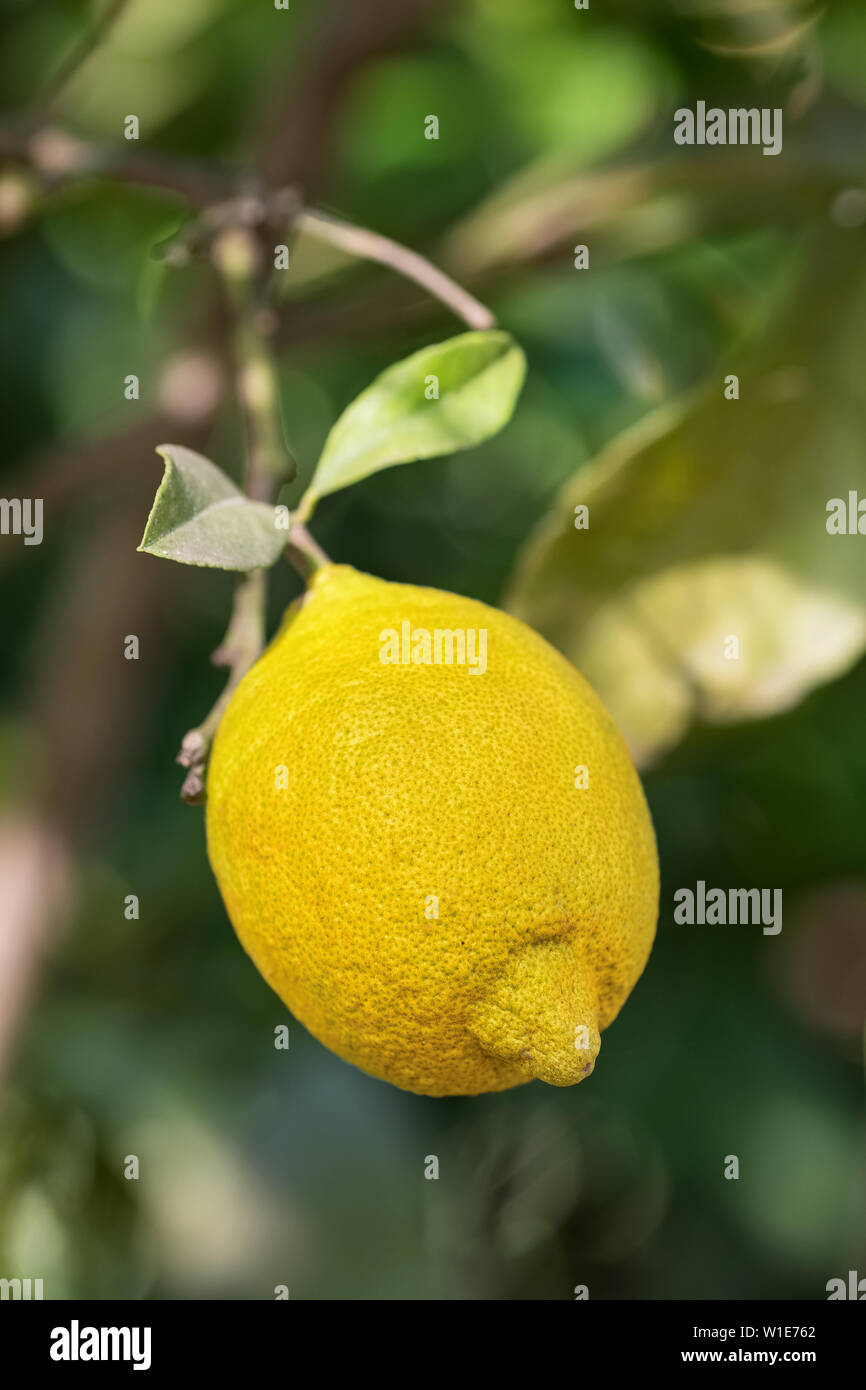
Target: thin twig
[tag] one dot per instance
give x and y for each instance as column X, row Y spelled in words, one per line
column 59, row 158
column 235, row 226
column 79, row 55
column 358, row 241
column 228, row 197
column 304, row 551
column 239, row 650
column 237, row 255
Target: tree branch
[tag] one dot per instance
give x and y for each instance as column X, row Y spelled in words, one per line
column 238, row 256
column 373, row 247
column 59, row 158
column 237, row 219
column 239, row 650
column 231, row 200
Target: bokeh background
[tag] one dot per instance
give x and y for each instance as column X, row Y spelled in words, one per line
column 155, row 1036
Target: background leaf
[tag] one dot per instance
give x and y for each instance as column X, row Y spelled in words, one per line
column 479, row 378
column 708, row 520
column 660, row 654
column 199, row 517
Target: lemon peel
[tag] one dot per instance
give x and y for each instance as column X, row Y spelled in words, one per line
column 407, row 855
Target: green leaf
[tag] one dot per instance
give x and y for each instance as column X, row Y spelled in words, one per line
column 478, row 377
column 729, row 638
column 707, row 522
column 199, row 517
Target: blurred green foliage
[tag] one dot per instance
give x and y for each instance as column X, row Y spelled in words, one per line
column 155, row 1036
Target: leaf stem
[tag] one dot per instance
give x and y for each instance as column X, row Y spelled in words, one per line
column 371, row 246
column 60, row 158
column 304, row 552
column 236, row 219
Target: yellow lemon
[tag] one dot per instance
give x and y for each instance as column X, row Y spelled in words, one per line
column 431, row 840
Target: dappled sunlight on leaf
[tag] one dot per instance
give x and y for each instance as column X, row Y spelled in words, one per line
column 449, row 396
column 722, row 640
column 631, row 596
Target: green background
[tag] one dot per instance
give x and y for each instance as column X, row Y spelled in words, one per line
column 155, row 1037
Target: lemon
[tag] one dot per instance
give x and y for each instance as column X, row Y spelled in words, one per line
column 445, row 868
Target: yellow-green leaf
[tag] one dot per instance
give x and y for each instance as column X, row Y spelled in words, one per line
column 449, row 396
column 708, row 521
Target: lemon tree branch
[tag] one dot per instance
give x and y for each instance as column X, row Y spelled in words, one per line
column 239, row 649
column 58, row 158
column 237, row 255
column 370, row 246
column 227, row 196
column 236, row 220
